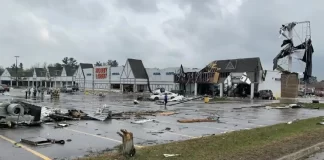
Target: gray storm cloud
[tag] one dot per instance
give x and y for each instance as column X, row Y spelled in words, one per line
column 163, row 33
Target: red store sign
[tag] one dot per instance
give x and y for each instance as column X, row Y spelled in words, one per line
column 101, row 73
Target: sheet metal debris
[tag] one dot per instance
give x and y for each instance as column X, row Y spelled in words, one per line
column 170, row 155
column 38, row 141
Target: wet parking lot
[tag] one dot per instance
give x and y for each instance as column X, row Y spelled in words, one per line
column 95, row 136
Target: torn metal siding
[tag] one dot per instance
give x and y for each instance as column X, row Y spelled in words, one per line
column 289, row 47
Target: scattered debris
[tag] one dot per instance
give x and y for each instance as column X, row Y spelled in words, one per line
column 143, row 121
column 19, row 113
column 315, row 101
column 38, row 141
column 293, row 121
column 167, row 113
column 156, row 132
column 69, row 140
column 170, row 155
column 128, row 143
column 136, row 101
column 209, row 119
column 61, row 125
column 285, row 107
column 168, row 128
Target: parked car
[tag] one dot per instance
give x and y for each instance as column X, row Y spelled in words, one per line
column 158, row 90
column 2, row 90
column 66, row 89
column 319, row 93
column 6, row 88
column 266, row 94
column 160, row 96
column 75, row 88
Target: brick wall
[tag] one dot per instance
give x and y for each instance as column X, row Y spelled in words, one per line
column 289, row 85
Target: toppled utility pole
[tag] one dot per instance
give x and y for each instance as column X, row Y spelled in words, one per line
column 128, row 143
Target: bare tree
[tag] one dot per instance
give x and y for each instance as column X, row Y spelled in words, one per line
column 112, row 63
column 21, row 66
column 37, row 65
column 1, row 69
column 98, row 63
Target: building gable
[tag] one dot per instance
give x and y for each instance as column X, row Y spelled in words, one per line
column 127, row 71
column 63, row 74
column 6, row 73
column 34, row 74
column 79, row 73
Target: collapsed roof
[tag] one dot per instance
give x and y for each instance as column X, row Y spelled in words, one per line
column 289, row 48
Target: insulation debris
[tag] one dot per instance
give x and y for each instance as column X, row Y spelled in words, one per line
column 209, row 119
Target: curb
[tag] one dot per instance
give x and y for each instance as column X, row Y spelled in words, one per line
column 301, row 154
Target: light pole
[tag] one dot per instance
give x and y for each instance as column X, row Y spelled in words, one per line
column 16, row 71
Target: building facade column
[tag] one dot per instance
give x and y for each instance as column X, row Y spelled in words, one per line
column 11, row 83
column 221, row 90
column 252, row 91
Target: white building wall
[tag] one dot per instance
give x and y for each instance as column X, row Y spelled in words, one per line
column 272, row 82
column 84, row 78
column 162, row 78
column 115, row 73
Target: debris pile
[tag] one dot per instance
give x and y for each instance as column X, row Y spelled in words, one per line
column 18, row 113
column 208, row 119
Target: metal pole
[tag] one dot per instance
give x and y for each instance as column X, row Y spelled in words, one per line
column 16, row 71
column 93, row 72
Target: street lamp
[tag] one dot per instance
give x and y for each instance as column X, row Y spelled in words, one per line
column 16, row 71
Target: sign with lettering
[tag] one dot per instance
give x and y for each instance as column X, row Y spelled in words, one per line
column 101, row 73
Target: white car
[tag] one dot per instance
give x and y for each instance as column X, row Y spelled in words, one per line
column 160, row 96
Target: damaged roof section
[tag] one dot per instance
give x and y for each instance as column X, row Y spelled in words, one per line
column 138, row 68
column 234, row 65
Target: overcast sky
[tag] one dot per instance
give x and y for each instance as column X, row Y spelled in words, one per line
column 163, row 33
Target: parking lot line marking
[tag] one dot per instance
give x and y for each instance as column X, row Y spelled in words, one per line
column 26, row 148
column 99, row 136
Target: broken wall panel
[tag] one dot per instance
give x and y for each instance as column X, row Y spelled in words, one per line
column 289, row 85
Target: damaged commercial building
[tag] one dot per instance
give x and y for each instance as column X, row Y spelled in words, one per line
column 132, row 76
column 225, row 75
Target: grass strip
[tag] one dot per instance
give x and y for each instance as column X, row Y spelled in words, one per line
column 263, row 143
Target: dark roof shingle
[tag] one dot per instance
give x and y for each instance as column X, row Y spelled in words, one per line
column 55, row 71
column 70, row 70
column 238, row 65
column 138, row 68
column 40, row 72
column 86, row 65
column 20, row 72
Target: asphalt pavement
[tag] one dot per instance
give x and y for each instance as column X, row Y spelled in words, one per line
column 95, row 136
